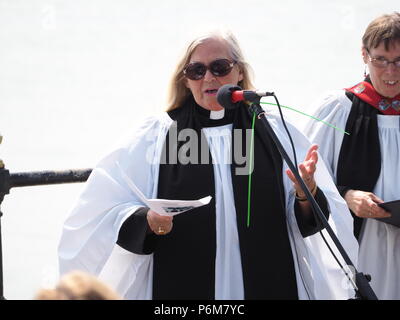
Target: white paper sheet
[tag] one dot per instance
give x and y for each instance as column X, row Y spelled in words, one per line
column 164, row 206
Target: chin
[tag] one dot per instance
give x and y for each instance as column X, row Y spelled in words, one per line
column 391, row 95
column 215, row 108
column 387, row 92
column 212, row 105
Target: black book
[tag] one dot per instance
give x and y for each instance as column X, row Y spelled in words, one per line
column 394, row 208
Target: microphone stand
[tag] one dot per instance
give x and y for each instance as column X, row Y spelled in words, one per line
column 362, row 288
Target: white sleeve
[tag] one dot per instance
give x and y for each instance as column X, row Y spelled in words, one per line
column 91, row 229
column 334, row 109
column 318, row 274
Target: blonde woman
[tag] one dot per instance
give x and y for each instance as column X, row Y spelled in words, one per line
column 222, row 250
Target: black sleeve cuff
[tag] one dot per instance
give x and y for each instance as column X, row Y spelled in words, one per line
column 134, row 234
column 311, row 224
column 342, row 190
column 357, row 220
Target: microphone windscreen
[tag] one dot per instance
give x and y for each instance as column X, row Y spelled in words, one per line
column 224, row 96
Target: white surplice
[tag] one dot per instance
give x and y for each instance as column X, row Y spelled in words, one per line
column 88, row 241
column 379, row 253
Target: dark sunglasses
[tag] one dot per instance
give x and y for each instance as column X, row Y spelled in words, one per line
column 197, row 70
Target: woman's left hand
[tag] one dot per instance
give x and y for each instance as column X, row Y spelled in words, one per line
column 306, row 170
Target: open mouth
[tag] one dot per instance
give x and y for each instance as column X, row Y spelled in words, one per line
column 391, row 82
column 211, row 91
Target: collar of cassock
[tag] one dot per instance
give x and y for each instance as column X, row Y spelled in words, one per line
column 367, row 93
column 210, row 118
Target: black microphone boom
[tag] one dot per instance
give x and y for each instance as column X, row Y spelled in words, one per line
column 228, row 97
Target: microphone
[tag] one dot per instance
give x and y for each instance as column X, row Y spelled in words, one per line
column 229, row 96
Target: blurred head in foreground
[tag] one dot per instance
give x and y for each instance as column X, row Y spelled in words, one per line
column 78, row 285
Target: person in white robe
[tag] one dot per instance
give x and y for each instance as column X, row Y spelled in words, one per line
column 209, row 252
column 364, row 162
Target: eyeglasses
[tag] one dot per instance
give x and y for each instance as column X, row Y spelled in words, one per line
column 383, row 63
column 219, row 68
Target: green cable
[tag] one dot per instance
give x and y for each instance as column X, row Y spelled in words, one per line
column 250, row 169
column 305, row 114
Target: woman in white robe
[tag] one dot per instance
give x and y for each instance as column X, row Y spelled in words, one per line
column 365, row 163
column 101, row 234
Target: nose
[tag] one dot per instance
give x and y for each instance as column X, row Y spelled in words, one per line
column 209, row 76
column 391, row 68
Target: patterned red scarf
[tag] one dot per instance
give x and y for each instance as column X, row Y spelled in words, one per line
column 367, row 93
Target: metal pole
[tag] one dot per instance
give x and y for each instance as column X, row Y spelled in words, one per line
column 4, row 189
column 25, row 179
column 3, row 192
column 1, row 264
column 36, row 178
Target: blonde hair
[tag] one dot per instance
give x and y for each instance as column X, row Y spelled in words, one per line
column 178, row 92
column 385, row 28
column 78, row 285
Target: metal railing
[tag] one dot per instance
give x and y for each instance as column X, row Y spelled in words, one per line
column 36, row 178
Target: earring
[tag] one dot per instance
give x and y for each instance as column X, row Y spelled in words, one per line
column 365, row 71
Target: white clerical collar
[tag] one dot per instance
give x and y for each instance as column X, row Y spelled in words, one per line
column 216, row 115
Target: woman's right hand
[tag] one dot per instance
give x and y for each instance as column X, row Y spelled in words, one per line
column 365, row 204
column 158, row 223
